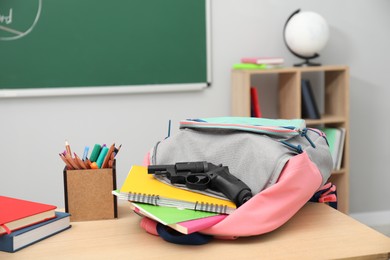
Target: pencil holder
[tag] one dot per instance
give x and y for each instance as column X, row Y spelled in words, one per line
column 88, row 194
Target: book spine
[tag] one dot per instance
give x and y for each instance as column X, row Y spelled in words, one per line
column 263, row 60
column 255, row 104
column 309, row 104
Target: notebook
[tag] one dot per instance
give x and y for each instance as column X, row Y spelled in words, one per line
column 186, row 221
column 17, row 213
column 140, row 186
column 169, row 215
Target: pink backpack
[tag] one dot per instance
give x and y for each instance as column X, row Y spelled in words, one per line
column 284, row 163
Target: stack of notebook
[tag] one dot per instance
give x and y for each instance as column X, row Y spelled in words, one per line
column 23, row 223
column 183, row 210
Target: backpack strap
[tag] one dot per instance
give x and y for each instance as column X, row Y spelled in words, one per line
column 326, row 194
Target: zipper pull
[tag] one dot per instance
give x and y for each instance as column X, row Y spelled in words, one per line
column 304, row 134
column 297, row 148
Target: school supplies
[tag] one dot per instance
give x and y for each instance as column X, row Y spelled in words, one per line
column 142, row 187
column 169, row 215
column 29, row 235
column 283, row 162
column 185, row 221
column 101, row 157
column 88, row 195
column 17, row 213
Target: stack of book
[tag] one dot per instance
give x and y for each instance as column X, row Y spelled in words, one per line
column 183, row 210
column 259, row 63
column 23, row 223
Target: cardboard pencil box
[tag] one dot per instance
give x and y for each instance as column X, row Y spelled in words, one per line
column 88, row 193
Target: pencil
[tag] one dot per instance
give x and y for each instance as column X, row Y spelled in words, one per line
column 117, row 150
column 108, row 156
column 79, row 161
column 68, row 165
column 67, row 146
column 70, row 160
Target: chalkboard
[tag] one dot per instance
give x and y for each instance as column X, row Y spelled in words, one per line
column 93, row 43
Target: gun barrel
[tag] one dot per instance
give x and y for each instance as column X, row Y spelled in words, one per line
column 159, row 168
column 194, row 167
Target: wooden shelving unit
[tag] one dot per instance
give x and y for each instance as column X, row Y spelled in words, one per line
column 335, row 114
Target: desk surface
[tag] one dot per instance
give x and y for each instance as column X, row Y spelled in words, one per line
column 315, row 232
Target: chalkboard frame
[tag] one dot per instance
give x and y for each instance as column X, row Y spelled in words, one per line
column 120, row 89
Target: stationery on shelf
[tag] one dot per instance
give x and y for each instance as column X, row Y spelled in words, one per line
column 139, row 186
column 335, row 137
column 263, row 60
column 255, row 104
column 101, row 157
column 29, row 235
column 251, row 66
column 185, row 221
column 309, row 105
column 17, row 213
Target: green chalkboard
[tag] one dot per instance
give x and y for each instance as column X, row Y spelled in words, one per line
column 83, row 43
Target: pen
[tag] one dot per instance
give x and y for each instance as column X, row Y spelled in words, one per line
column 85, row 155
column 95, row 152
column 94, row 165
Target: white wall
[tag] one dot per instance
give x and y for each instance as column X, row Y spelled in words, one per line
column 33, row 130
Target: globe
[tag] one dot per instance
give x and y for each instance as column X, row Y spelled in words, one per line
column 305, row 34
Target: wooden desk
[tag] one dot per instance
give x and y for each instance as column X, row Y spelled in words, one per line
column 316, row 232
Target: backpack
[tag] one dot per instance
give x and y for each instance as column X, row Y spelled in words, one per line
column 284, row 163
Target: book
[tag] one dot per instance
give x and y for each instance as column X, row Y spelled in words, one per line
column 185, row 221
column 244, row 66
column 139, row 186
column 255, row 104
column 341, row 148
column 309, row 105
column 17, row 213
column 263, row 60
column 29, row 235
column 169, row 215
column 335, row 137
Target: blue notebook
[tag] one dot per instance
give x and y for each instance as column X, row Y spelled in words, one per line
column 29, row 235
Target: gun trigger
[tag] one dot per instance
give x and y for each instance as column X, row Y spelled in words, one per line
column 199, row 181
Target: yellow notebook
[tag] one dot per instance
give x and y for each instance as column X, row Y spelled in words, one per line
column 140, row 186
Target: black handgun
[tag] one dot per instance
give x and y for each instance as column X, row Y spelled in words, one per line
column 203, row 175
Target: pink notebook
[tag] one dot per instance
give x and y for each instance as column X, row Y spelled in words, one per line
column 191, row 226
column 263, row 60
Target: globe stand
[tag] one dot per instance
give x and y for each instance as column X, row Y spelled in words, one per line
column 307, row 61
